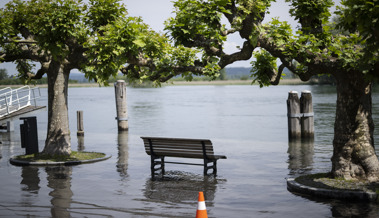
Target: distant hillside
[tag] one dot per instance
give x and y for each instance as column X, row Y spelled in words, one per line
column 240, row 72
column 232, row 73
column 79, row 77
column 237, row 72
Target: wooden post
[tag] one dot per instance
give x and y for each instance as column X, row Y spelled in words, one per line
column 79, row 116
column 122, row 111
column 307, row 120
column 293, row 113
column 123, row 153
column 81, row 146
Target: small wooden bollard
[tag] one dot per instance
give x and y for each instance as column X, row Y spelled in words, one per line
column 293, row 113
column 307, row 120
column 79, row 116
column 122, row 112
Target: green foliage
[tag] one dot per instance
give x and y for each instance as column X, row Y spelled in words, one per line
column 129, row 37
column 263, row 67
column 103, row 12
column 107, row 52
column 52, row 23
column 98, row 38
column 198, row 18
column 3, row 74
column 310, row 13
column 278, row 32
column 361, row 16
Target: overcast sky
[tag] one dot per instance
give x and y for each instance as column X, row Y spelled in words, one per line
column 155, row 12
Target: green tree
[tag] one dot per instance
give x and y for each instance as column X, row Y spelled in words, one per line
column 3, row 74
column 222, row 75
column 98, row 38
column 350, row 58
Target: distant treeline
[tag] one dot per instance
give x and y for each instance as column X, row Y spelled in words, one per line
column 6, row 79
column 232, row 73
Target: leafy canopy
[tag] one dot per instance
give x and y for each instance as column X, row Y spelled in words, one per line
column 98, row 38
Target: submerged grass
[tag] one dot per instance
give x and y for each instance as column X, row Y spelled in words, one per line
column 75, row 156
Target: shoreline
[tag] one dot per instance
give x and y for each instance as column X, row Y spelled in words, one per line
column 178, row 83
column 233, row 82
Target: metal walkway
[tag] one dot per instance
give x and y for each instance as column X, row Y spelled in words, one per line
column 16, row 102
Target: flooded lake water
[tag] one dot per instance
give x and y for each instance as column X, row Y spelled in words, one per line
column 245, row 123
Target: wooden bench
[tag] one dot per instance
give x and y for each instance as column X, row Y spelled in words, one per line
column 158, row 148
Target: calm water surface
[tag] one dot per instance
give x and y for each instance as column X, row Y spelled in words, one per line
column 245, row 123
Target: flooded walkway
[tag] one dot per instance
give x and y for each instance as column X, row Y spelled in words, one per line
column 247, row 124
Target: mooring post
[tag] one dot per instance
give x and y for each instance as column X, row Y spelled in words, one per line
column 122, row 111
column 307, row 119
column 294, row 116
column 81, row 146
column 123, row 153
column 79, row 116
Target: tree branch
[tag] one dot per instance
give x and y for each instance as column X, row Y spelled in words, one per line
column 275, row 77
column 42, row 71
column 23, row 51
column 245, row 54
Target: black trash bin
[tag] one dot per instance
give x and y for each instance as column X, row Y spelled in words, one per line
column 29, row 135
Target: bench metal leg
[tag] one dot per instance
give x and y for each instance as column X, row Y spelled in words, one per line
column 162, row 166
column 154, row 163
column 206, row 167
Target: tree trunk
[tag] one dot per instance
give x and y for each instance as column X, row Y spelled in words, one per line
column 354, row 153
column 58, row 132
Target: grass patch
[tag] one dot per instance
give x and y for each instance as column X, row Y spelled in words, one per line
column 75, row 156
column 326, row 181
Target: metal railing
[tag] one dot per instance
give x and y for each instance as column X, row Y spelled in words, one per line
column 12, row 100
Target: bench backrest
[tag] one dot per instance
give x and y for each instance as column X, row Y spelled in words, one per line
column 178, row 147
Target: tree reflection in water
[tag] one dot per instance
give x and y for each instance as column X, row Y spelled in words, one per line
column 30, row 178
column 59, row 180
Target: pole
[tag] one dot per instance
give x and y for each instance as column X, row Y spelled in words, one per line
column 122, row 111
column 79, row 115
column 307, row 120
column 293, row 113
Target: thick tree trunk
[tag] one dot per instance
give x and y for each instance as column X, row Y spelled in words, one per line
column 354, row 153
column 58, row 132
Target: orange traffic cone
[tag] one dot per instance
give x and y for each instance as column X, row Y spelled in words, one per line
column 201, row 210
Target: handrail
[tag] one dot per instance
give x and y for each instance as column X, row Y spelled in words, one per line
column 16, row 99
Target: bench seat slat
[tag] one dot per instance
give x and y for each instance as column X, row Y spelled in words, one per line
column 182, row 147
column 178, row 150
column 176, row 139
column 187, row 155
column 197, row 145
column 146, row 142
